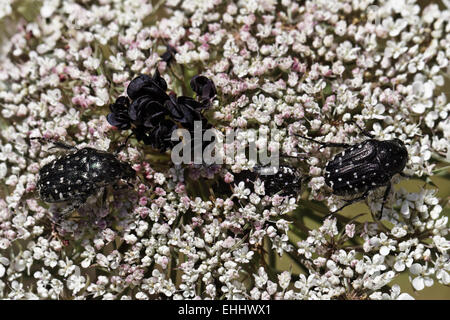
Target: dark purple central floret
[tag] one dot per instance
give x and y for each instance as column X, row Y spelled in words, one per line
column 204, row 88
column 119, row 114
column 154, row 87
column 184, row 110
column 153, row 114
column 147, row 112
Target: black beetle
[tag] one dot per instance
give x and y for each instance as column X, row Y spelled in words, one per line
column 282, row 180
column 79, row 174
column 363, row 167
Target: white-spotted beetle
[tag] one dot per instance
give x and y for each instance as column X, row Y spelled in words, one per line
column 363, row 167
column 79, row 174
column 282, row 180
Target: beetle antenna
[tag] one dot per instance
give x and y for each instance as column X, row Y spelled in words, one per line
column 364, row 132
column 325, row 144
column 56, row 143
column 310, row 139
column 296, row 156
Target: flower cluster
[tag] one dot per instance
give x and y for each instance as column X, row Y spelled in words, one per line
column 314, row 69
column 153, row 114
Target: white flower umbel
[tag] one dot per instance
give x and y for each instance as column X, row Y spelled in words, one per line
column 281, row 69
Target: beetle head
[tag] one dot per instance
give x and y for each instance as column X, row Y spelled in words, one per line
column 400, row 154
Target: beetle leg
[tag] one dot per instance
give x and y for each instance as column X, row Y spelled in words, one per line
column 57, row 144
column 385, row 196
column 364, row 132
column 333, row 144
column 75, row 204
column 349, row 202
column 326, row 144
column 67, row 210
column 62, row 145
column 310, row 139
column 78, row 203
column 404, row 175
column 105, row 196
column 105, row 204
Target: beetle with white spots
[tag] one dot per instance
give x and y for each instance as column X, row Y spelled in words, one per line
column 363, row 167
column 282, row 180
column 79, row 174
